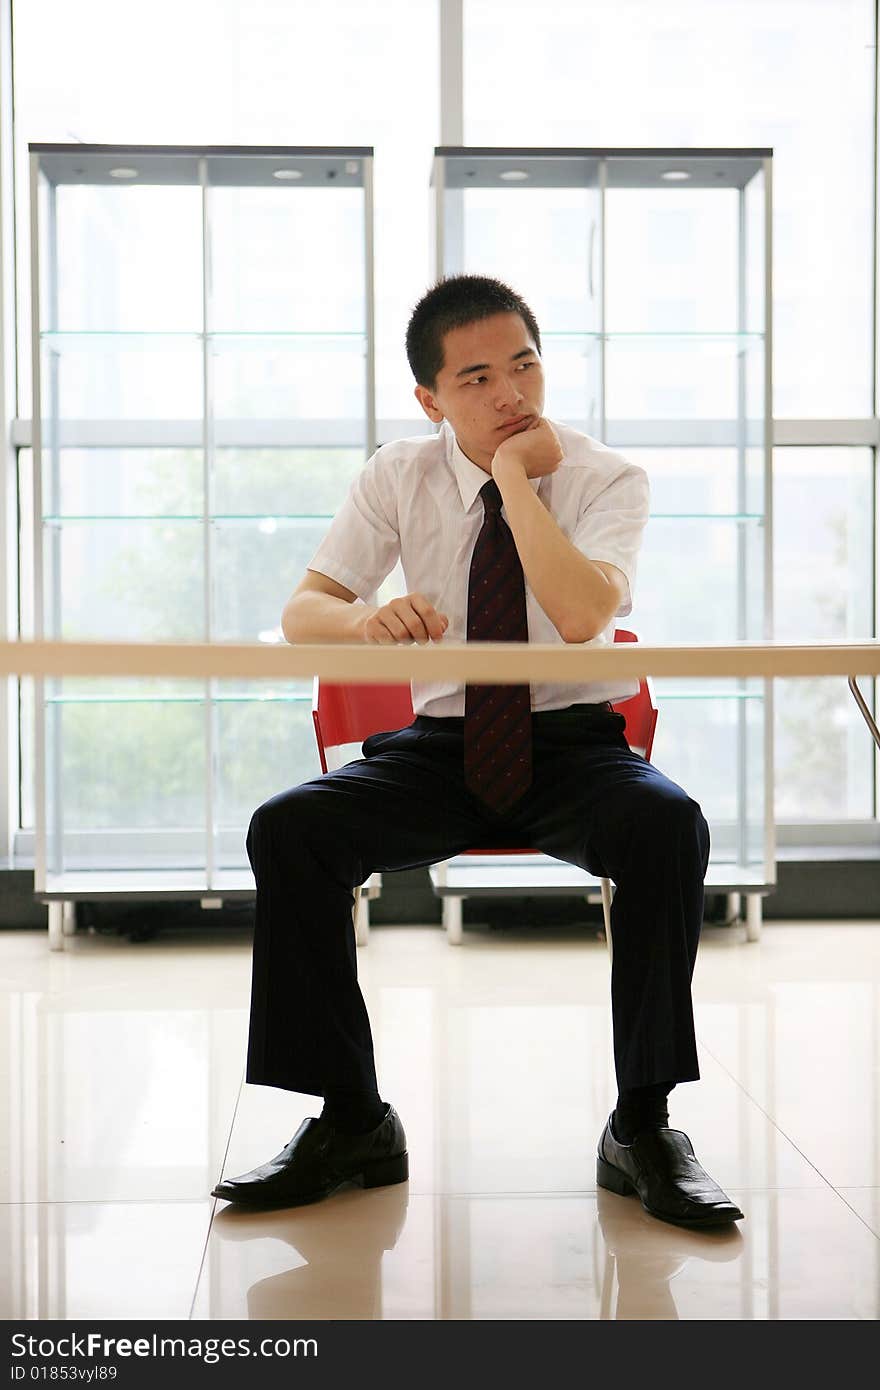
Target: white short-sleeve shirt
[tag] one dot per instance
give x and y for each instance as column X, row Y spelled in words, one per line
column 418, row 500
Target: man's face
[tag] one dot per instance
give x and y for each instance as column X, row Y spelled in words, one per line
column 491, row 376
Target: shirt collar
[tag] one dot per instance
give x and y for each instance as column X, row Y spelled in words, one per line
column 468, row 475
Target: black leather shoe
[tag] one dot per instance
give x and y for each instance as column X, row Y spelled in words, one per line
column 660, row 1166
column 319, row 1159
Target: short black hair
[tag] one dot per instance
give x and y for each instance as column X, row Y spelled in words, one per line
column 457, row 300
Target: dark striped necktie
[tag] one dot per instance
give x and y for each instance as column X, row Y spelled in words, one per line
column 497, row 718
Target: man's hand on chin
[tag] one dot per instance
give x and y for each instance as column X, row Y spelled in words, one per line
column 535, row 449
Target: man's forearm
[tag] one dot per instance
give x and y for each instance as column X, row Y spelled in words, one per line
column 314, row 617
column 573, row 592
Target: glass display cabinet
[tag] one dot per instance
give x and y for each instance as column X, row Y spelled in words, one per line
column 649, row 273
column 203, row 378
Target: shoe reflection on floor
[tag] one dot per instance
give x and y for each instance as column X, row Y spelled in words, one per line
column 342, row 1239
column 646, row 1254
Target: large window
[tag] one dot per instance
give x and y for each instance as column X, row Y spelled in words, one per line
column 796, row 75
column 822, row 534
column 258, row 74
column 264, row 72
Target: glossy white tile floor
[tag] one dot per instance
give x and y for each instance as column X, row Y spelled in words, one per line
column 123, row 1101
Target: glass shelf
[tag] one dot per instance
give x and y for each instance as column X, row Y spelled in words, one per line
column 175, row 699
column 708, row 694
column 304, row 517
column 687, row 335
column 300, row 335
column 684, row 335
column 306, row 698
column 706, row 516
column 87, row 336
column 305, row 337
column 73, row 336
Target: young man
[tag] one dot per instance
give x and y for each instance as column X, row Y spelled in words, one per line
column 508, row 527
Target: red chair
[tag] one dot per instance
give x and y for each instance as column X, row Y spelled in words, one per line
column 346, row 714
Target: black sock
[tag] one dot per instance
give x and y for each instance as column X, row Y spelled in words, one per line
column 353, row 1111
column 642, row 1107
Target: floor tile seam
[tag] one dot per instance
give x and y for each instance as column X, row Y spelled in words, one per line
column 420, row 1192
column 875, row 1233
column 779, row 1130
column 592, row 1191
column 110, row 1201
column 854, row 1210
column 210, row 1225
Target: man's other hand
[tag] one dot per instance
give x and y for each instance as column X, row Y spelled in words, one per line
column 408, row 619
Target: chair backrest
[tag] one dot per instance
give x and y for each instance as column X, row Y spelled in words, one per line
column 345, row 713
column 348, row 713
column 640, row 710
